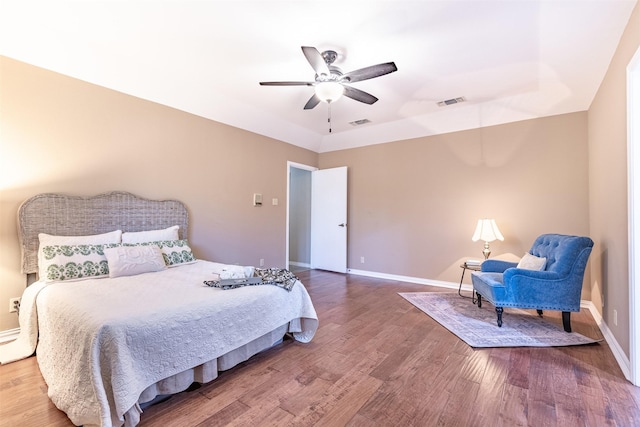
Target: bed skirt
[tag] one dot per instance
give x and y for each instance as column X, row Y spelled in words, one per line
column 204, row 373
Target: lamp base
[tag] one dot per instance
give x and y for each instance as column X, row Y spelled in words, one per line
column 486, row 251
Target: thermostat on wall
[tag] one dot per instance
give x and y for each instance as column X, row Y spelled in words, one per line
column 257, row 199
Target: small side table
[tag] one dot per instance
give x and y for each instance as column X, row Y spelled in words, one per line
column 464, row 266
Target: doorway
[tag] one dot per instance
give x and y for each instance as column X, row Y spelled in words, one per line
column 299, row 217
column 316, row 229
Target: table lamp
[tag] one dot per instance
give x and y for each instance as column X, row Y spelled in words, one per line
column 487, row 231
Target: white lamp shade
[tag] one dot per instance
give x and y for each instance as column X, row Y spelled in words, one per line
column 487, row 231
column 329, row 91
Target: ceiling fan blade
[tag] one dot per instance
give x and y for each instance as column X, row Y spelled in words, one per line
column 316, row 60
column 312, row 102
column 359, row 95
column 286, row 84
column 369, row 72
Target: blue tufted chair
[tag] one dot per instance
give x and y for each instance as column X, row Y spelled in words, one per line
column 556, row 287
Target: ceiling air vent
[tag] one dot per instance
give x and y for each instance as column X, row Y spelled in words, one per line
column 451, row 101
column 360, row 122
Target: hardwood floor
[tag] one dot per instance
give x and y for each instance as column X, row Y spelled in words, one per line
column 376, row 360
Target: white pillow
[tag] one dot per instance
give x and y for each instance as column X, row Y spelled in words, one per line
column 174, row 252
column 51, row 240
column 170, row 233
column 74, row 262
column 531, row 262
column 132, row 260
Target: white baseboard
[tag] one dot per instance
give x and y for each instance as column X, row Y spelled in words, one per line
column 618, row 353
column 300, row 264
column 9, row 335
column 407, row 279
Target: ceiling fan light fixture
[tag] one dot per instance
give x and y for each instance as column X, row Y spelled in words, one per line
column 331, row 83
column 329, row 91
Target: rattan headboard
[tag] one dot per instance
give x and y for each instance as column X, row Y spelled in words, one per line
column 63, row 215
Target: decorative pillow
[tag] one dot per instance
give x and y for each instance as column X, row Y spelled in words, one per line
column 74, row 262
column 531, row 262
column 51, row 240
column 174, row 252
column 132, row 260
column 170, row 233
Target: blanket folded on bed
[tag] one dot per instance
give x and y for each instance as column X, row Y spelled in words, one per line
column 268, row 276
column 235, row 272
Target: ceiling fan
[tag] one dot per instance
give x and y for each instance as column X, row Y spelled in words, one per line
column 331, row 83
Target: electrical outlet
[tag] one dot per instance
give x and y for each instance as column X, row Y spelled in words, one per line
column 361, row 260
column 261, row 262
column 14, row 303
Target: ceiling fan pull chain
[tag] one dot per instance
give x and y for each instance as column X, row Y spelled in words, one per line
column 329, row 119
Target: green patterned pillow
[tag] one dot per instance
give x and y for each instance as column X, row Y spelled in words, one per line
column 75, row 262
column 174, row 252
column 52, row 240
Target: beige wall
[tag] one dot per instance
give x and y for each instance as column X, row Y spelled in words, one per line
column 608, row 189
column 59, row 134
column 413, row 205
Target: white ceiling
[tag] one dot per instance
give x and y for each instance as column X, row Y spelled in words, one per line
column 511, row 60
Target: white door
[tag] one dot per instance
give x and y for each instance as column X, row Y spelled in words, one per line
column 329, row 219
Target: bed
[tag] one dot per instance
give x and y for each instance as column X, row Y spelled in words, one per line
column 109, row 344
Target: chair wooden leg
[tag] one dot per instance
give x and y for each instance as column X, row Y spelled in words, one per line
column 566, row 321
column 539, row 313
column 499, row 313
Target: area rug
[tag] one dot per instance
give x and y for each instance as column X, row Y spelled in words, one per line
column 478, row 327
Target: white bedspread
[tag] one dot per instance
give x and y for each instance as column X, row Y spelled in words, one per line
column 103, row 341
column 25, row 344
